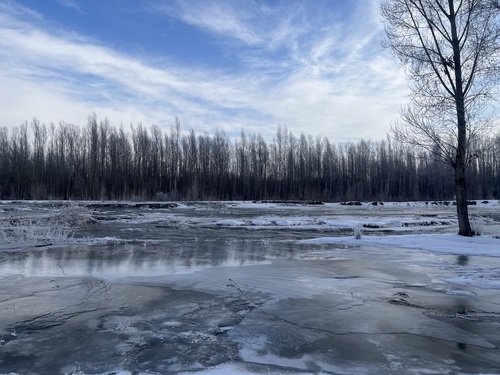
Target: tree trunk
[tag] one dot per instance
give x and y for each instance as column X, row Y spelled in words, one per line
column 464, row 228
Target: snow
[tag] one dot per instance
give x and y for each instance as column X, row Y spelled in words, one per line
column 261, row 222
column 257, row 204
column 476, row 280
column 253, row 205
column 233, row 369
column 438, row 243
column 282, row 222
column 230, row 223
column 458, row 292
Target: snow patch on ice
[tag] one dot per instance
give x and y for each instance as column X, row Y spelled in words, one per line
column 479, row 282
column 75, row 370
column 253, row 205
column 261, row 222
column 282, row 222
column 230, row 223
column 104, row 240
column 459, row 292
column 235, row 369
column 438, row 243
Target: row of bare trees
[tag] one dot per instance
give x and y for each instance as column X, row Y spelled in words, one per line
column 101, row 161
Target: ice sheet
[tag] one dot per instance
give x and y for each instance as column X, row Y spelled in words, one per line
column 264, row 287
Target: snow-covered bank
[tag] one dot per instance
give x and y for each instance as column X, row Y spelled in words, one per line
column 439, row 243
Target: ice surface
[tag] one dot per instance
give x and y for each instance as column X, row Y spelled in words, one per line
column 255, row 288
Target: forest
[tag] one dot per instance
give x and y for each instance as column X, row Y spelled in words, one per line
column 100, row 161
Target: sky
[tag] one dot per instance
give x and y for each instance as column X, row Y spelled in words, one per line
column 316, row 66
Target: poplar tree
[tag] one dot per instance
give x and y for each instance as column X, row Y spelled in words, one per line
column 450, row 52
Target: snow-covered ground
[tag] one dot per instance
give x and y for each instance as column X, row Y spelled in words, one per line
column 447, row 243
column 248, row 287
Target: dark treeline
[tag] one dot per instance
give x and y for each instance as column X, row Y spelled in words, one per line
column 101, row 161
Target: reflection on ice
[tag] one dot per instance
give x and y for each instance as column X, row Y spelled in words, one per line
column 130, row 260
column 462, row 260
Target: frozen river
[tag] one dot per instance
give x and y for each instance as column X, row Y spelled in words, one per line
column 265, row 288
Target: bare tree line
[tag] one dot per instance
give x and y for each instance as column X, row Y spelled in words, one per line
column 101, row 161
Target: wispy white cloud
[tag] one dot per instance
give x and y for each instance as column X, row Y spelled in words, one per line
column 12, row 14
column 319, row 78
column 73, row 4
column 248, row 23
column 219, row 18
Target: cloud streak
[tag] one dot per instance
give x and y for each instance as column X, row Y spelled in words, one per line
column 248, row 23
column 72, row 4
column 297, row 69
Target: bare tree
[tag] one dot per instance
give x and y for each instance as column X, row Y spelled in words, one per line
column 450, row 51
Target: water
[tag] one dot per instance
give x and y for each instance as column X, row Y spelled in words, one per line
column 166, row 290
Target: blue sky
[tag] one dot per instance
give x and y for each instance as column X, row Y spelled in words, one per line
column 316, row 66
